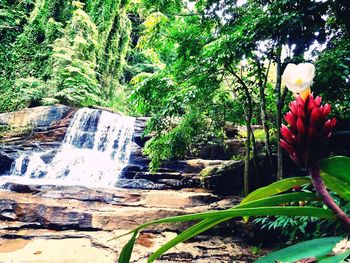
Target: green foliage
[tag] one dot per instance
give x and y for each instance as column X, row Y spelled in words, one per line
column 333, row 65
column 335, row 172
column 276, row 188
column 201, row 48
column 114, row 29
column 177, row 142
column 125, row 255
column 304, row 228
column 320, row 249
column 26, row 92
column 70, row 47
column 74, row 79
column 293, row 228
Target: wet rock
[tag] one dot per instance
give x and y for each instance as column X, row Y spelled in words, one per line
column 81, row 208
column 140, row 184
column 172, row 174
column 19, row 188
column 38, row 117
column 48, row 156
column 7, row 209
column 139, row 137
column 34, row 129
column 225, row 178
column 5, row 163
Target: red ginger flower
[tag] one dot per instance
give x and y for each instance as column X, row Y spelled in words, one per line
column 308, row 129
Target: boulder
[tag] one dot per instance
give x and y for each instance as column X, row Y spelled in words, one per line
column 224, row 178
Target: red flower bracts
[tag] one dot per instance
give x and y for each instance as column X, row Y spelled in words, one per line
column 308, row 130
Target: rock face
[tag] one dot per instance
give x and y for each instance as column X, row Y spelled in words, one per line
column 31, row 130
column 78, row 224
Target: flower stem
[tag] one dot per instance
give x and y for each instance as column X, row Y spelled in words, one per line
column 325, row 196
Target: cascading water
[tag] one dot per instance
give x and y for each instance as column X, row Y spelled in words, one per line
column 94, row 152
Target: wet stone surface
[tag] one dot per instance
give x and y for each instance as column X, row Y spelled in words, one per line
column 76, row 224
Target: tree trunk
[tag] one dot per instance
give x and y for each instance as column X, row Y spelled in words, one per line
column 264, row 119
column 255, row 158
column 247, row 155
column 278, row 116
column 249, row 115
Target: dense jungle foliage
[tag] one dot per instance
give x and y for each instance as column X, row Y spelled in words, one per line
column 58, row 51
column 192, row 66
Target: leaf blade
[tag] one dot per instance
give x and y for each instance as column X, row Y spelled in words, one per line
column 318, row 248
column 335, row 172
column 276, row 188
column 125, row 254
column 209, row 223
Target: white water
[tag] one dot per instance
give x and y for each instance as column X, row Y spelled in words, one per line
column 94, row 152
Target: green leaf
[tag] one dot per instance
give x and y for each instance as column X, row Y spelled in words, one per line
column 336, row 259
column 237, row 212
column 276, row 188
column 335, row 172
column 215, row 217
column 209, row 223
column 318, row 248
column 125, row 254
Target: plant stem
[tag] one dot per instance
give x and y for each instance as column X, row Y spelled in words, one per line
column 325, row 196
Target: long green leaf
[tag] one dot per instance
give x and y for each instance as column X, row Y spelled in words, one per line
column 238, row 212
column 125, row 254
column 209, row 223
column 318, row 248
column 336, row 259
column 335, row 172
column 213, row 218
column 259, row 211
column 276, row 188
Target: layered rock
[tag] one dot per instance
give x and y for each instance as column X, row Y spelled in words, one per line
column 78, row 224
column 34, row 129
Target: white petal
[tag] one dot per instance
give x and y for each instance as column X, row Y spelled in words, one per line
column 298, row 77
column 289, row 72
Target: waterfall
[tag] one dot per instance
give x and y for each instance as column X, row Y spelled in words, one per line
column 95, row 150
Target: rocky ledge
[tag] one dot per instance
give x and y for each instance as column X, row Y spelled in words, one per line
column 78, row 224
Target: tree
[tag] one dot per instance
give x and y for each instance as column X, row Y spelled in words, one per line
column 202, row 47
column 31, row 30
column 74, row 79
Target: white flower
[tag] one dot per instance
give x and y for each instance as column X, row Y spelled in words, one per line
column 298, row 77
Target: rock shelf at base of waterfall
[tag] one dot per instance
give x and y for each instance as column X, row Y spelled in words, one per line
column 39, row 223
